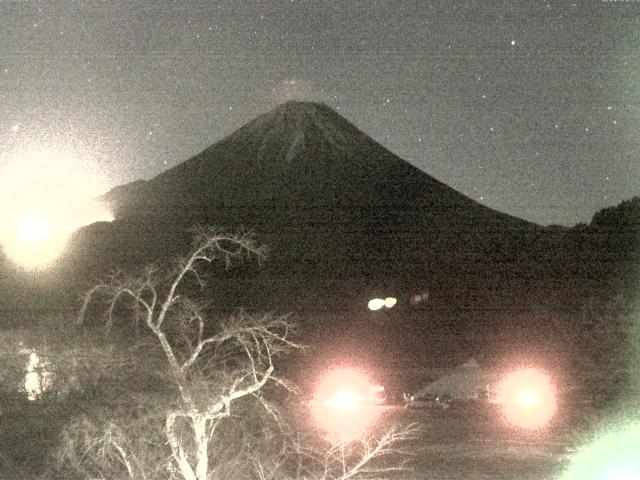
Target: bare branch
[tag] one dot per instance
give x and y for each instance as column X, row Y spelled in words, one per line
column 86, row 301
column 241, row 348
column 386, row 445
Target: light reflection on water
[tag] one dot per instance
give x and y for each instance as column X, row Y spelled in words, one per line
column 38, row 378
column 345, row 425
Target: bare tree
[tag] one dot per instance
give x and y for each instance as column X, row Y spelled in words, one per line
column 212, row 363
column 365, row 457
column 214, row 366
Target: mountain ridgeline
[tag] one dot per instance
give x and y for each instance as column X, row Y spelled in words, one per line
column 336, row 208
column 346, row 220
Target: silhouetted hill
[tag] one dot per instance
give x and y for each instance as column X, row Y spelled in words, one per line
column 607, row 251
column 338, row 210
column 302, row 154
column 347, row 220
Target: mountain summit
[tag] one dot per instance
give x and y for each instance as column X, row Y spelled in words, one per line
column 300, row 153
column 334, row 206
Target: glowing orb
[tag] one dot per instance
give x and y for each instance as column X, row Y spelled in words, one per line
column 343, row 407
column 613, row 456
column 528, row 398
column 390, row 302
column 343, row 383
column 375, row 304
column 44, row 196
column 346, row 400
column 32, row 243
column 33, row 230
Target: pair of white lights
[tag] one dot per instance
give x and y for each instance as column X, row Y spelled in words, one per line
column 379, row 303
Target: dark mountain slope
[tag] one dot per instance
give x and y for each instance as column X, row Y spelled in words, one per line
column 347, row 220
column 336, row 208
column 302, row 154
column 302, row 161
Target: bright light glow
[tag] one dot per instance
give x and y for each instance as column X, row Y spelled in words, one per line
column 343, row 383
column 613, row 456
column 33, row 230
column 344, row 406
column 44, row 196
column 292, row 89
column 375, row 304
column 37, row 379
column 346, row 400
column 528, row 398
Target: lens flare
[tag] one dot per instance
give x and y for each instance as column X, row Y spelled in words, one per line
column 390, row 302
column 528, row 398
column 375, row 304
column 346, row 401
column 33, row 230
column 45, row 194
column 343, row 406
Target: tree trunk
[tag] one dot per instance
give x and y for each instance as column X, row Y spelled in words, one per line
column 176, row 449
column 202, row 454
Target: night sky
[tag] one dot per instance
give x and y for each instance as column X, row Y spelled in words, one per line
column 532, row 108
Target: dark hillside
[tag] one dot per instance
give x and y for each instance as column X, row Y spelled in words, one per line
column 333, row 205
column 346, row 220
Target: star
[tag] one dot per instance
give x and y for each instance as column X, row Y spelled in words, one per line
column 513, row 42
